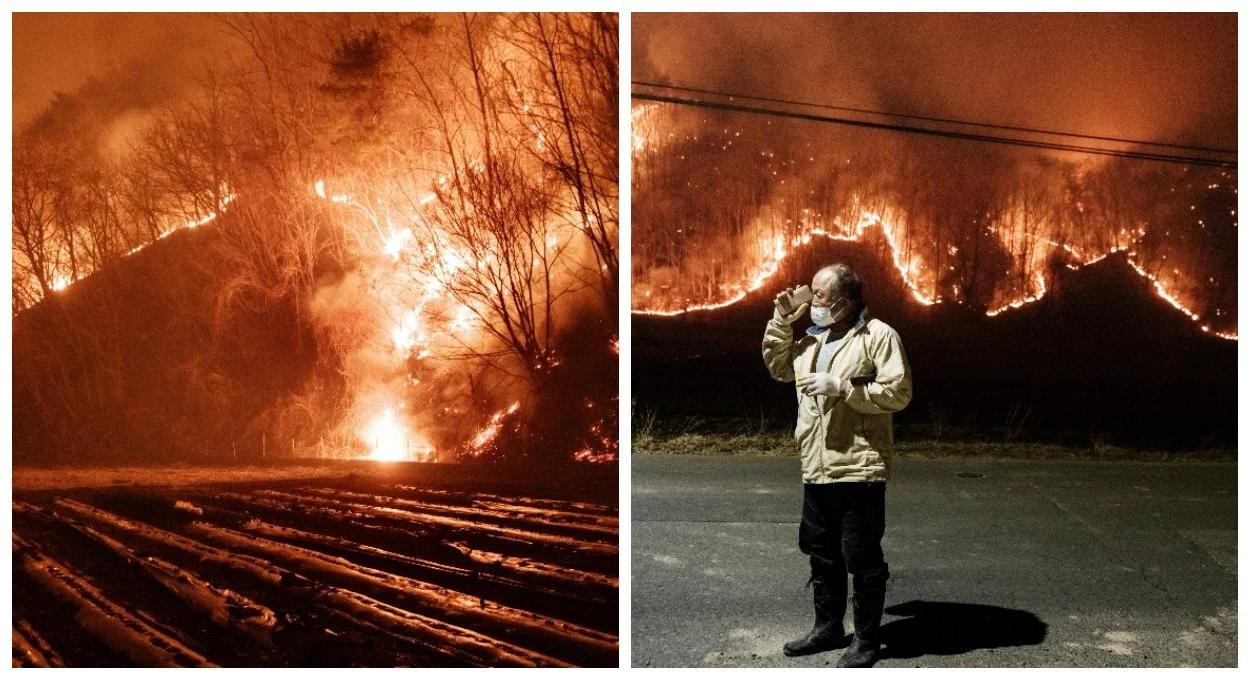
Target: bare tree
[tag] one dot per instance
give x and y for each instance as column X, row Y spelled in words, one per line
column 567, row 98
column 34, row 229
column 489, row 230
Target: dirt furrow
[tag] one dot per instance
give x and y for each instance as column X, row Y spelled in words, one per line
column 539, row 587
column 444, row 640
column 30, row 649
column 571, row 518
column 137, row 585
column 138, row 639
column 557, row 638
column 257, row 569
column 536, row 569
column 429, row 531
column 589, row 509
column 224, row 607
column 288, row 575
column 454, row 641
column 382, row 506
column 461, row 560
column 533, row 521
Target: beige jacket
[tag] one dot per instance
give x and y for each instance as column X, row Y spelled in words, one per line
column 851, row 439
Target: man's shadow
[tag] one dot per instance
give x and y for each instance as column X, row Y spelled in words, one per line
column 948, row 628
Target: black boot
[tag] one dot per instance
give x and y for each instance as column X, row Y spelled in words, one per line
column 827, row 633
column 867, row 604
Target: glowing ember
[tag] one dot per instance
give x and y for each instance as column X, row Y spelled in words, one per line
column 1160, row 290
column 1017, row 304
column 589, row 455
column 908, row 274
column 778, row 253
column 61, row 281
column 491, row 431
column 435, row 261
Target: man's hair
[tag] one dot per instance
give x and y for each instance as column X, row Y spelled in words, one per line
column 846, row 283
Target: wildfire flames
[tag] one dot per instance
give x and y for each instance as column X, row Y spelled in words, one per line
column 63, row 281
column 417, row 330
column 677, row 273
column 428, row 210
column 491, row 431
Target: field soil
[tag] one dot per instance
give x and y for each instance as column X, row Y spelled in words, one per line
column 315, row 564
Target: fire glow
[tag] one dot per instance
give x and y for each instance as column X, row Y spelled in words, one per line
column 388, row 437
column 61, row 281
column 489, row 433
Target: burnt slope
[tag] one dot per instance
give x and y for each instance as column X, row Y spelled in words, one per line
column 125, row 365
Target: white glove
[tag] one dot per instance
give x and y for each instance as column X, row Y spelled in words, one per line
column 823, row 384
column 782, row 309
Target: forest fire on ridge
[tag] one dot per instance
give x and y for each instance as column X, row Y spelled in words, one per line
column 790, row 183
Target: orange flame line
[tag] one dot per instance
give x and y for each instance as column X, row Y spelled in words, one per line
column 869, row 218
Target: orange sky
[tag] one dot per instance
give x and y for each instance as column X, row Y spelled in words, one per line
column 59, row 52
column 1153, row 76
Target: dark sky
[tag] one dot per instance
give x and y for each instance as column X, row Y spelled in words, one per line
column 59, row 52
column 1161, row 76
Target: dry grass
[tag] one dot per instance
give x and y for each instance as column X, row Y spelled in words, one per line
column 782, row 444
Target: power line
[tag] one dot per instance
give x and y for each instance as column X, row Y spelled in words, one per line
column 933, row 119
column 1036, row 144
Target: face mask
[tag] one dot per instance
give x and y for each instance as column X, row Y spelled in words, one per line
column 821, row 316
column 824, row 316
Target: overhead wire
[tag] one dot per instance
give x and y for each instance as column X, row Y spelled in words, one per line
column 933, row 119
column 914, row 129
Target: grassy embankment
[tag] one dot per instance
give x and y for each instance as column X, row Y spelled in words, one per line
column 695, row 436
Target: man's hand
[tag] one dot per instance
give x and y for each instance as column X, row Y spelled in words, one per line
column 823, row 384
column 784, row 309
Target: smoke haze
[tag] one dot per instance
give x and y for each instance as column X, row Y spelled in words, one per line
column 1147, row 76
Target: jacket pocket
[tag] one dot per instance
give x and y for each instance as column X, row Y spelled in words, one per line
column 842, row 428
column 875, row 430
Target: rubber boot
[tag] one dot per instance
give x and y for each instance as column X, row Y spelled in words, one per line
column 830, row 603
column 867, row 605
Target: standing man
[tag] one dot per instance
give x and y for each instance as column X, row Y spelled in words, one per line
column 851, row 375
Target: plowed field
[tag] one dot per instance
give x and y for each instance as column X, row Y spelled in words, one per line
column 363, row 570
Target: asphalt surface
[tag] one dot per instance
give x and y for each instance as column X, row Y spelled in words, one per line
column 1000, row 564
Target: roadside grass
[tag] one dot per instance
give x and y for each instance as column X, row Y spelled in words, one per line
column 699, row 437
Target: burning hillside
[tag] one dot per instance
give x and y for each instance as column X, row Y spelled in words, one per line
column 724, row 198
column 422, row 206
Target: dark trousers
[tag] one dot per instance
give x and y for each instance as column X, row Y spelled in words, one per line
column 841, row 532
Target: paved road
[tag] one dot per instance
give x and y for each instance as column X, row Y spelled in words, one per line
column 1030, row 564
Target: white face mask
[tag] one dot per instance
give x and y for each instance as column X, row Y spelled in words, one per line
column 821, row 316
column 824, row 317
